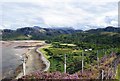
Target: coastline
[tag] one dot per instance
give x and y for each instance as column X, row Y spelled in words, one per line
column 45, row 60
column 42, row 63
column 31, row 54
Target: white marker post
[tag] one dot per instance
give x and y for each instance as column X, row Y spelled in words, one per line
column 65, row 64
column 82, row 63
column 102, row 74
column 24, row 66
column 83, row 58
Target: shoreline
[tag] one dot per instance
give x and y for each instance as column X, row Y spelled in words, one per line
column 42, row 60
column 45, row 60
column 31, row 47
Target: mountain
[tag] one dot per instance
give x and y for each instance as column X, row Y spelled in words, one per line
column 61, row 33
column 104, row 37
column 107, row 29
column 34, row 33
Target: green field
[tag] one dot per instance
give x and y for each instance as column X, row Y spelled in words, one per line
column 44, row 52
column 55, row 54
column 74, row 57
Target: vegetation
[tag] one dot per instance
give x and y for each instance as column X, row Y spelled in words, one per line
column 44, row 52
column 105, row 45
column 33, row 33
column 57, row 51
column 93, row 72
column 118, row 72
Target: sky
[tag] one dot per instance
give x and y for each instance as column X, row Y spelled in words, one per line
column 79, row 14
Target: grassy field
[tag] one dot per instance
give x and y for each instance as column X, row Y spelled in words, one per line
column 44, row 52
column 74, row 57
column 58, row 51
column 56, row 56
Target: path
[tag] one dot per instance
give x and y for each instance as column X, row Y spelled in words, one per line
column 36, row 61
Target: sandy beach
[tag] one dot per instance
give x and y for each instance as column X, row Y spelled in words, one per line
column 34, row 59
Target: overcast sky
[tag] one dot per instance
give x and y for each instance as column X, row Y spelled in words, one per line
column 79, row 14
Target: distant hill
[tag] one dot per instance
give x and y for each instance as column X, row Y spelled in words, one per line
column 39, row 33
column 107, row 29
column 34, row 33
column 105, row 37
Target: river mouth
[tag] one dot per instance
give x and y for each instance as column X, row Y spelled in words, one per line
column 11, row 55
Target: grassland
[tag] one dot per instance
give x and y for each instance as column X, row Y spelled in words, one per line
column 44, row 52
column 55, row 54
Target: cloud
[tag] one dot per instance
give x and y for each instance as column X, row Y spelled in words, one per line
column 84, row 14
column 92, row 1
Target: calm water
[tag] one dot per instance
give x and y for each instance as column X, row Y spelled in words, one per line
column 10, row 59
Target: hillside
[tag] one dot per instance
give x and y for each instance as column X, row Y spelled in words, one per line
column 107, row 29
column 67, row 42
column 38, row 33
column 34, row 33
column 105, row 38
column 94, row 38
column 93, row 73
